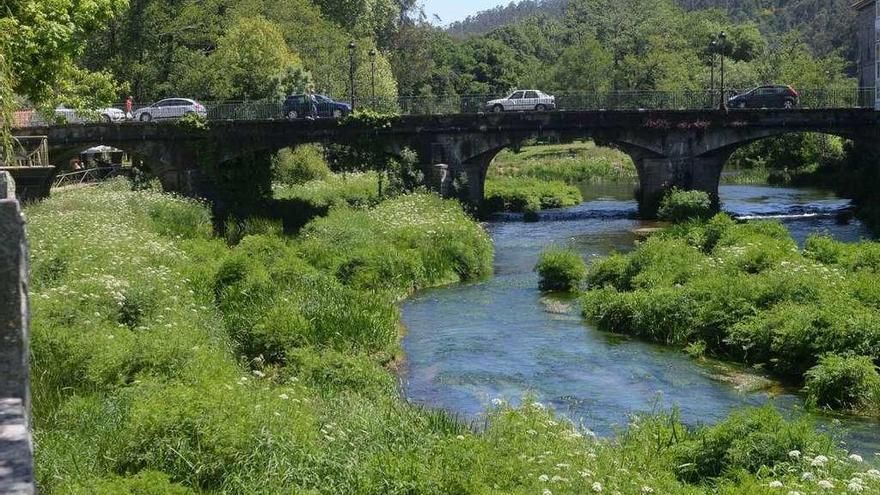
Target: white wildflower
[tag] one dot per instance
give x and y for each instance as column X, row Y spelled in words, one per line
column 283, row 396
column 794, row 454
column 855, row 458
column 647, row 489
column 775, row 484
column 546, row 492
column 873, row 473
column 819, row 461
column 460, row 437
column 855, row 487
column 826, row 485
column 259, row 373
column 808, row 476
column 597, row 487
column 543, row 477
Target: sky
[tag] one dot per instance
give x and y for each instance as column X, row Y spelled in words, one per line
column 457, row 10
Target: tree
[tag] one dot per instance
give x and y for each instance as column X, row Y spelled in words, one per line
column 40, row 41
column 251, row 60
column 583, row 66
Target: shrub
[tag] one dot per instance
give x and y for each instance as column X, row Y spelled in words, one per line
column 748, row 440
column 844, row 383
column 517, row 193
column 299, row 165
column 678, row 206
column 353, row 189
column 560, row 269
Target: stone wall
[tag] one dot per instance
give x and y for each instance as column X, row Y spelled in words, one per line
column 16, row 448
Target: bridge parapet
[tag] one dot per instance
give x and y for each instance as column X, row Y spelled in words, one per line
column 16, row 450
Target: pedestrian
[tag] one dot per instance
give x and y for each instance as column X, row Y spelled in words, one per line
column 313, row 106
column 129, row 103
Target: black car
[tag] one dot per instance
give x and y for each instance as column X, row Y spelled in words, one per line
column 314, row 106
column 773, row 96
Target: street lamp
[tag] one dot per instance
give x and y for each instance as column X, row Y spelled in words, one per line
column 722, row 37
column 713, row 51
column 351, row 94
column 373, row 75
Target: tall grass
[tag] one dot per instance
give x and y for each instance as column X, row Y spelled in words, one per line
column 520, row 194
column 745, row 292
column 359, row 189
column 570, row 163
column 167, row 362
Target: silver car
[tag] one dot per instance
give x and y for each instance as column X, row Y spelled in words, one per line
column 71, row 116
column 527, row 100
column 170, row 108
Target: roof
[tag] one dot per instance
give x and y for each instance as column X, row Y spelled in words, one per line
column 861, row 4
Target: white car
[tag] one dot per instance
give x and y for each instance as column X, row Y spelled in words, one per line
column 523, row 101
column 169, row 108
column 71, row 116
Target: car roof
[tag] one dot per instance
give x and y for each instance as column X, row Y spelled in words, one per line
column 176, row 98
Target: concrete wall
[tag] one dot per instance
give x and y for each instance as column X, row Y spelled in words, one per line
column 16, row 449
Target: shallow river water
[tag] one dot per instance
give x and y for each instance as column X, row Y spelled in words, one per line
column 470, row 343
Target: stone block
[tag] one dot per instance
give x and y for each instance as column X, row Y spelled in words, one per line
column 16, row 449
column 7, row 185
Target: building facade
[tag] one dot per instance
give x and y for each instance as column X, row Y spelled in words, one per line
column 869, row 46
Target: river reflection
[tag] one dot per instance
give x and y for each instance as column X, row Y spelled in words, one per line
column 468, row 344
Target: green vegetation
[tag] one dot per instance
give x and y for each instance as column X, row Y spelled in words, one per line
column 571, row 163
column 746, row 293
column 166, row 362
column 293, row 166
column 519, row 193
column 354, row 189
column 560, row 270
column 680, row 206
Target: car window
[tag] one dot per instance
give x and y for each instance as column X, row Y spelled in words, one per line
column 531, row 94
column 181, row 103
column 517, row 96
column 165, row 103
column 323, row 99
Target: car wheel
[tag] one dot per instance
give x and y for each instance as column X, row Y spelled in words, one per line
column 337, row 114
column 741, row 104
column 498, row 109
column 788, row 105
column 292, row 115
column 106, row 119
column 145, row 117
column 541, row 108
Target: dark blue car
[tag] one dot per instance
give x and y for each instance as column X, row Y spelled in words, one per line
column 314, row 106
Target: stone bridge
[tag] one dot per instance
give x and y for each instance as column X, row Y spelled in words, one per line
column 685, row 149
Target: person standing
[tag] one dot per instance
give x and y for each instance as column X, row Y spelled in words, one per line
column 129, row 104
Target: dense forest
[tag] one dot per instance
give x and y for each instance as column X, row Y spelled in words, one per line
column 262, row 49
column 827, row 25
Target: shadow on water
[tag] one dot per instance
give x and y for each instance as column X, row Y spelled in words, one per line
column 470, row 343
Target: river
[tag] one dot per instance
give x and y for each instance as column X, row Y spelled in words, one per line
column 501, row 338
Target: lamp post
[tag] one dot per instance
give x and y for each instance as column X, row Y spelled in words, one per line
column 722, row 38
column 373, row 75
column 713, row 50
column 351, row 49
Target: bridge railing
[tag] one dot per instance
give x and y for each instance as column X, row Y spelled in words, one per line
column 820, row 98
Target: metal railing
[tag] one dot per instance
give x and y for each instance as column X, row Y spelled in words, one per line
column 89, row 175
column 28, row 151
column 824, row 98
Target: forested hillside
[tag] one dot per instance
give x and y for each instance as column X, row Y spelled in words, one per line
column 826, row 24
column 263, row 49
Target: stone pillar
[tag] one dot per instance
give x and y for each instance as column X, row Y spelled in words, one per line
column 659, row 174
column 16, row 451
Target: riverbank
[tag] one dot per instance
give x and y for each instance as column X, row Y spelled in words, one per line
column 745, row 292
column 166, row 361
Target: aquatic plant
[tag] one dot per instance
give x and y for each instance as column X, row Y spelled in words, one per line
column 560, row 269
column 679, row 206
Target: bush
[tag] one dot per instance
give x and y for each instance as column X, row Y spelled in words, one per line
column 517, row 193
column 358, row 190
column 748, row 440
column 744, row 292
column 560, row 270
column 679, row 206
column 844, row 383
column 299, row 165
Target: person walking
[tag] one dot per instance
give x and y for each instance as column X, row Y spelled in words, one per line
column 129, row 104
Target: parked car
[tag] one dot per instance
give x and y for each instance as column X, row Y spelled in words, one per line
column 71, row 116
column 772, row 96
column 523, row 101
column 170, row 108
column 300, row 106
